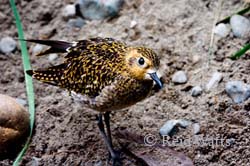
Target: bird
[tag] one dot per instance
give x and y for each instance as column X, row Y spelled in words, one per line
column 103, row 73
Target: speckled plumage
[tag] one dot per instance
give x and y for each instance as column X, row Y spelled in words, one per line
column 102, row 72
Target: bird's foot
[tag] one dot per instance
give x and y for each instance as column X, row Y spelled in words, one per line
column 116, row 158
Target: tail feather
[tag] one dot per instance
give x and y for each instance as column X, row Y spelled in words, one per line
column 50, row 76
column 50, row 51
column 55, row 46
column 30, row 72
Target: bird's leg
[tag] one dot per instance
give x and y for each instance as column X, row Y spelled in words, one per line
column 115, row 158
column 107, row 123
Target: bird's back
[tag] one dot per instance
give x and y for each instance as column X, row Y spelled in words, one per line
column 89, row 66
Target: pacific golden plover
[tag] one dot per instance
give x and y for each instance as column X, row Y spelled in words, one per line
column 104, row 73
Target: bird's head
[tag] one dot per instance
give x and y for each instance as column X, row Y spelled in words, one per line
column 143, row 64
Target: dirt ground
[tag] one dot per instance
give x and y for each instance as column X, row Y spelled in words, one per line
column 178, row 30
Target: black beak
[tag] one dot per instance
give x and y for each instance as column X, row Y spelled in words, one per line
column 156, row 79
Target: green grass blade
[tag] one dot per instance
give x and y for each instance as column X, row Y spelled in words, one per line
column 28, row 80
column 241, row 52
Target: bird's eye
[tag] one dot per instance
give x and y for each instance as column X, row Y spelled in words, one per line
column 141, row 61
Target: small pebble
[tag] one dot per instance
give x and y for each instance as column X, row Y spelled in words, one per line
column 21, row 101
column 170, row 125
column 238, row 91
column 37, row 49
column 230, row 141
column 240, row 26
column 196, row 128
column 214, row 81
column 133, row 24
column 52, row 57
column 222, row 30
column 196, row 91
column 179, row 77
column 99, row 9
column 196, row 59
column 69, row 11
column 183, row 123
column 7, row 45
column 76, row 22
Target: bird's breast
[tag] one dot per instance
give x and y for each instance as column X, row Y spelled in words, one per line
column 119, row 96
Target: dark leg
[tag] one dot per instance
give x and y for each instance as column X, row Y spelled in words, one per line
column 107, row 123
column 115, row 158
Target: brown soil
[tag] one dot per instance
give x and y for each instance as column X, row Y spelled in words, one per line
column 66, row 132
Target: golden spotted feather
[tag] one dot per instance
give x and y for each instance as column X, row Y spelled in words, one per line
column 103, row 70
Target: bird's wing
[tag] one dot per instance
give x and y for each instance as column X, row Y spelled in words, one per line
column 89, row 74
column 55, row 46
column 76, row 47
column 93, row 64
column 89, row 65
column 103, row 47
